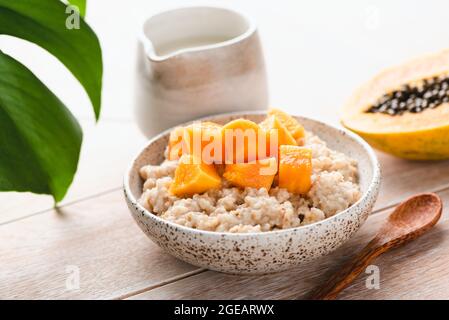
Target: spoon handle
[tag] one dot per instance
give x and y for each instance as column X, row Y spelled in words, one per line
column 349, row 272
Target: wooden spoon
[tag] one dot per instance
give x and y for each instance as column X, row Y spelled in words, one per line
column 408, row 221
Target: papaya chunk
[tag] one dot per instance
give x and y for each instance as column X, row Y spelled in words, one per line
column 193, row 177
column 175, row 143
column 202, row 139
column 240, row 139
column 277, row 135
column 257, row 174
column 294, row 127
column 295, row 169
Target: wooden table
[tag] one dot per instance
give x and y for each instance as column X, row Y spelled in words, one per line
column 93, row 233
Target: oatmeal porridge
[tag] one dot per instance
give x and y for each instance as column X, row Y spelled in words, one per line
column 229, row 208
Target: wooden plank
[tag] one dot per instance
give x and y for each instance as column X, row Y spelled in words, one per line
column 415, row 270
column 107, row 149
column 97, row 236
column 403, row 178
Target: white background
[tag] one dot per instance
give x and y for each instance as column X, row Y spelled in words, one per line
column 316, row 52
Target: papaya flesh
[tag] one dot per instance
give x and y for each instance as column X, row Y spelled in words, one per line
column 294, row 127
column 240, row 139
column 203, row 139
column 413, row 128
column 175, row 143
column 257, row 174
column 194, row 177
column 295, row 169
column 277, row 135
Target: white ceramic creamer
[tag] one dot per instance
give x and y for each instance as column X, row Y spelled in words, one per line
column 197, row 61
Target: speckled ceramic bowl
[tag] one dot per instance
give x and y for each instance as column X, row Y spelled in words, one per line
column 266, row 252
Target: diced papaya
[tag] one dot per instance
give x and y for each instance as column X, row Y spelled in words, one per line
column 240, row 139
column 202, row 139
column 277, row 135
column 193, row 176
column 295, row 128
column 175, row 143
column 257, row 174
column 295, row 169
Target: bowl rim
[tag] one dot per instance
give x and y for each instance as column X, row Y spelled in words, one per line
column 372, row 188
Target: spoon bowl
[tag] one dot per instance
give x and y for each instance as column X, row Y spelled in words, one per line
column 417, row 213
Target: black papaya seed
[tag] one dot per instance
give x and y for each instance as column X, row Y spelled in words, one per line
column 431, row 93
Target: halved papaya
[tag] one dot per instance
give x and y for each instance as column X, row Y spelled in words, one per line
column 404, row 110
column 257, row 174
column 193, row 176
column 295, row 169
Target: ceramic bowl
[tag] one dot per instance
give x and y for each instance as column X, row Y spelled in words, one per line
column 265, row 252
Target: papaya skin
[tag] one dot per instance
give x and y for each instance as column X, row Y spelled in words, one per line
column 430, row 144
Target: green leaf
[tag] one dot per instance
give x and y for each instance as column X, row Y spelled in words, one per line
column 81, row 5
column 45, row 23
column 40, row 140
